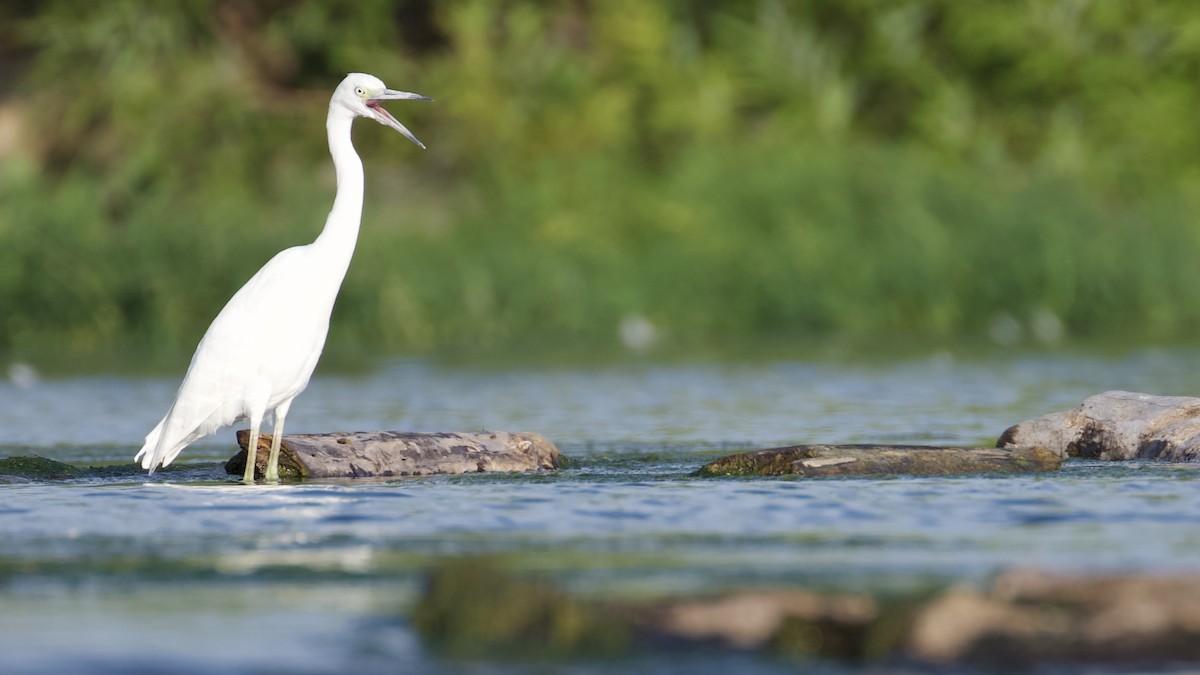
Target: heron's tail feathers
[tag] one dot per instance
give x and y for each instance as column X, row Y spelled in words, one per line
column 165, row 442
column 147, row 454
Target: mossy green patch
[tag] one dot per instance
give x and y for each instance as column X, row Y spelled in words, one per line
column 473, row 608
column 32, row 466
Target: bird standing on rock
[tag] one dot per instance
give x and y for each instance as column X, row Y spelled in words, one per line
column 260, row 351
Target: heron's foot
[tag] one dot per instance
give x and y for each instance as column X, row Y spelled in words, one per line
column 272, row 475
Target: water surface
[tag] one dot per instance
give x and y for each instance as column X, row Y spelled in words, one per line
column 190, row 572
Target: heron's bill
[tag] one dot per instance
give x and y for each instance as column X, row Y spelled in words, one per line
column 385, row 118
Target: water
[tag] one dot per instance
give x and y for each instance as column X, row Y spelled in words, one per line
column 188, row 572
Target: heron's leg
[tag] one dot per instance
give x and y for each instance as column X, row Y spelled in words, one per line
column 281, row 412
column 252, row 447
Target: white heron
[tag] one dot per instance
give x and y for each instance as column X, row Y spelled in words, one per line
column 260, row 351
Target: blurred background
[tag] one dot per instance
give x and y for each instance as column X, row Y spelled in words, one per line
column 659, row 175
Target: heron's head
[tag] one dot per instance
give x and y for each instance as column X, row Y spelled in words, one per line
column 361, row 94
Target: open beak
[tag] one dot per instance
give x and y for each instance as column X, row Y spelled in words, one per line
column 385, row 118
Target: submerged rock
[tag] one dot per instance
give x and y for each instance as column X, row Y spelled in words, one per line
column 1029, row 618
column 471, row 607
column 15, row 469
column 860, row 460
column 393, row 453
column 1117, row 425
column 793, row 620
column 474, row 608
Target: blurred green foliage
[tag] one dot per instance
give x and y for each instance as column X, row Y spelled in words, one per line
column 728, row 170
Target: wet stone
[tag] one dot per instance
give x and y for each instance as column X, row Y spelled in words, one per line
column 392, row 453
column 1116, row 425
column 815, row 461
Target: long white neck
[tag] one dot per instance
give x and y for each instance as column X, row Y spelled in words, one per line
column 341, row 228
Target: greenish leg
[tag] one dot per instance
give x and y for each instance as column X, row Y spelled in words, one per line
column 251, row 451
column 281, row 412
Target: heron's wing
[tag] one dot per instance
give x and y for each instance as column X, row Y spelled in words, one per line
column 230, row 359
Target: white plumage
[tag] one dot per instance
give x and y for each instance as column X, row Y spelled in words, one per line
column 260, row 351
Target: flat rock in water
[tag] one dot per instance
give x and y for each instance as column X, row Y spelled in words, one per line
column 1117, row 425
column 392, row 453
column 862, row 460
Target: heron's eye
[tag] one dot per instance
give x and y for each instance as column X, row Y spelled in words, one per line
column 358, row 91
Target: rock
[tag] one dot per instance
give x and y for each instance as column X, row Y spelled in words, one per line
column 1117, row 425
column 754, row 620
column 861, row 460
column 966, row 625
column 34, row 467
column 392, row 453
column 1027, row 619
column 471, row 608
column 17, row 470
column 1030, row 618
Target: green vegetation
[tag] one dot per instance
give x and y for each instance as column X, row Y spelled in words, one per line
column 728, row 170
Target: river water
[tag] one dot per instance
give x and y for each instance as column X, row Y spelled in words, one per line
column 188, row 572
